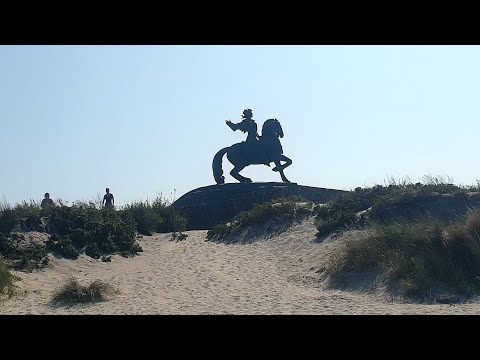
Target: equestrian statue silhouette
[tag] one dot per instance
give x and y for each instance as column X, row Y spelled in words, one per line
column 255, row 149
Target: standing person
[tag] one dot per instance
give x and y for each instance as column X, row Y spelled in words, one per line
column 47, row 202
column 108, row 200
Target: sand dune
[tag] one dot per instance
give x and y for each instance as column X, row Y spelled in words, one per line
column 275, row 276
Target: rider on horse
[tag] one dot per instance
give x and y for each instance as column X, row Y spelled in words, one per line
column 254, row 150
column 247, row 125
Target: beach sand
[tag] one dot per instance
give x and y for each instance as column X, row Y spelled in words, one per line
column 275, row 276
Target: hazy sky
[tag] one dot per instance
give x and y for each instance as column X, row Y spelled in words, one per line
column 145, row 120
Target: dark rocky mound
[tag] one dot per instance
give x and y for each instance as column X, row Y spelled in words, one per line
column 207, row 206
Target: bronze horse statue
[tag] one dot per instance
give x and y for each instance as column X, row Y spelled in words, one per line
column 263, row 151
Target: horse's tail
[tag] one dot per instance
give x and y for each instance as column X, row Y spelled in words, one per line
column 217, row 166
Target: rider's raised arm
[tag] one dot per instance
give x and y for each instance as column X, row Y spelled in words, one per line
column 231, row 125
column 244, row 126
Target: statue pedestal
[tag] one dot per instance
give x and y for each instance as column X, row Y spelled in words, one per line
column 206, row 206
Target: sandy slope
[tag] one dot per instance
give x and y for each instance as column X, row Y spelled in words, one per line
column 199, row 277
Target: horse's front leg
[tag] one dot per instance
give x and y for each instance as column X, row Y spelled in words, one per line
column 279, row 166
column 287, row 160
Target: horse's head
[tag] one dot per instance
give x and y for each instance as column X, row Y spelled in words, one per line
column 272, row 127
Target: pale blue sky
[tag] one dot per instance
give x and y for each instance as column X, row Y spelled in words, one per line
column 149, row 119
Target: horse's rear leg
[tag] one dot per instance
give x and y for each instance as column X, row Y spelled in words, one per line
column 235, row 173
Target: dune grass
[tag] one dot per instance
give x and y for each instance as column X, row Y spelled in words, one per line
column 397, row 201
column 278, row 214
column 419, row 255
column 73, row 293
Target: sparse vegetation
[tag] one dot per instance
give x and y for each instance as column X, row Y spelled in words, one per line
column 82, row 227
column 178, row 236
column 419, row 255
column 422, row 238
column 25, row 216
column 22, row 255
column 7, row 280
column 155, row 216
column 398, row 201
column 73, row 293
column 275, row 216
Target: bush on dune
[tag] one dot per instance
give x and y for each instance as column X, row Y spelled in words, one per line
column 7, row 280
column 82, row 227
column 97, row 232
column 24, row 216
column 154, row 216
column 399, row 201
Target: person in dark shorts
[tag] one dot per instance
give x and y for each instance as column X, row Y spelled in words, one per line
column 108, row 200
column 47, row 202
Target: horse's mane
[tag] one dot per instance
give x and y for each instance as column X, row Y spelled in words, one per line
column 267, row 125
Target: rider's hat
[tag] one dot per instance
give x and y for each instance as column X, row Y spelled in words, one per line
column 247, row 111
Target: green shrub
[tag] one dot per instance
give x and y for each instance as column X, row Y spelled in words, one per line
column 7, row 279
column 178, row 236
column 25, row 216
column 81, row 227
column 147, row 220
column 62, row 246
column 93, row 251
column 98, row 232
column 22, row 256
column 154, row 216
column 8, row 221
column 29, row 209
column 172, row 220
column 402, row 201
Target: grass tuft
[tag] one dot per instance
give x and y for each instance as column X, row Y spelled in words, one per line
column 73, row 293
